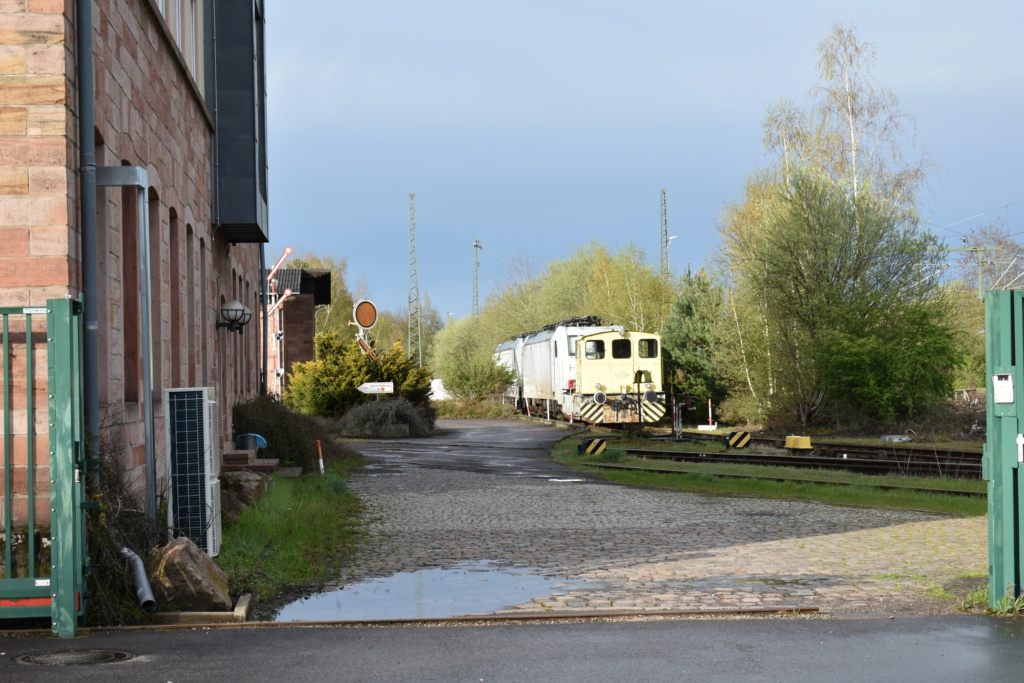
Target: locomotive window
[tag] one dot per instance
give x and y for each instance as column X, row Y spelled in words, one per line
column 595, row 349
column 572, row 345
column 648, row 348
column 621, row 348
column 556, row 349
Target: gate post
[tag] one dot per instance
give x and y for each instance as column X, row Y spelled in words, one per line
column 67, row 465
column 1003, row 460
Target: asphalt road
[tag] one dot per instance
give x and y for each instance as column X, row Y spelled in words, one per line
column 929, row 650
column 502, row 447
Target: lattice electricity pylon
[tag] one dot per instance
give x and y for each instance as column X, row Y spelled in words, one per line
column 664, row 236
column 415, row 343
column 476, row 276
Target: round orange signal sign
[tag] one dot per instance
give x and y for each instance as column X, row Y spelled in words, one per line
column 365, row 314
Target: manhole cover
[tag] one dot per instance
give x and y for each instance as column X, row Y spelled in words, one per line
column 73, row 657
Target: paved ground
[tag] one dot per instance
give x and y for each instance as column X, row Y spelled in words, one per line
column 486, row 492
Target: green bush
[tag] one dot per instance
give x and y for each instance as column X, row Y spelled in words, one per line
column 291, row 437
column 369, row 418
column 329, row 385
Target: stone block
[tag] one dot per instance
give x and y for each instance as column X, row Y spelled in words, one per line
column 34, row 272
column 50, row 6
column 26, row 89
column 50, row 241
column 13, row 180
column 46, row 120
column 32, row 29
column 33, row 151
column 184, row 577
column 32, row 210
column 12, row 60
column 13, row 121
column 49, row 180
column 16, row 242
column 46, row 59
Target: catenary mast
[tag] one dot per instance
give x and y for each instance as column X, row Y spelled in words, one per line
column 414, row 339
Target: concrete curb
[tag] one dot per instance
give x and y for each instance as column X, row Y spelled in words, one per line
column 240, row 614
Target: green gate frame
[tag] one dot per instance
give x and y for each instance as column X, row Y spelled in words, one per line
column 56, row 591
column 1002, row 460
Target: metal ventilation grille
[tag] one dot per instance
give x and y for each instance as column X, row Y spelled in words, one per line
column 193, row 503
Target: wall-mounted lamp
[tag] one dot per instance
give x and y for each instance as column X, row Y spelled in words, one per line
column 236, row 316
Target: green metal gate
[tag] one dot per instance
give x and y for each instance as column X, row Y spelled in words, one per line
column 42, row 475
column 1003, row 462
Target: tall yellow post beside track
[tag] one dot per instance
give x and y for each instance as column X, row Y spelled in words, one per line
column 1003, row 462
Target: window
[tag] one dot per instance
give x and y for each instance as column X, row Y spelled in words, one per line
column 595, row 349
column 648, row 348
column 130, row 297
column 572, row 345
column 555, row 346
column 621, row 348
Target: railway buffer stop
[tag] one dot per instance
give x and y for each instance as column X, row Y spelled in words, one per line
column 1003, row 461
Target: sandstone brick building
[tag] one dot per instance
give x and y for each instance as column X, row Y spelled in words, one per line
column 189, row 112
column 293, row 329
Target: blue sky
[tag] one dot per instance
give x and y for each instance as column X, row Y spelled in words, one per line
column 539, row 126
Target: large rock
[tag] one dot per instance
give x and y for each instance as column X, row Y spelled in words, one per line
column 240, row 490
column 184, row 578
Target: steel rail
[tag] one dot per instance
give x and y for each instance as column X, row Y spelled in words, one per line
column 973, row 470
column 954, row 492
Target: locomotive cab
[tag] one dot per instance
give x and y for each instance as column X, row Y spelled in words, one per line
column 619, row 377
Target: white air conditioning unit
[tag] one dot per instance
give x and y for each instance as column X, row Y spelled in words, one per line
column 193, row 466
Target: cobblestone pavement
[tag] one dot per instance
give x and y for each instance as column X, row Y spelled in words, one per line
column 634, row 549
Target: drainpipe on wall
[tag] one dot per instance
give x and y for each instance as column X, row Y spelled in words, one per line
column 264, row 298
column 87, row 201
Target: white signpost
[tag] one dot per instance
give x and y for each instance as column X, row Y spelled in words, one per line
column 377, row 388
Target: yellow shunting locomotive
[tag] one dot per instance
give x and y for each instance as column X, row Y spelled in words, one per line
column 582, row 369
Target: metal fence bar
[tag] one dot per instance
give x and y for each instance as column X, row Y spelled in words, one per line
column 65, row 547
column 36, row 581
column 24, row 582
column 30, row 438
column 8, row 457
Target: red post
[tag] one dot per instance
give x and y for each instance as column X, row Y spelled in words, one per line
column 320, row 456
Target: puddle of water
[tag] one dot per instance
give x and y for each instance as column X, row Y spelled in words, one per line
column 468, row 588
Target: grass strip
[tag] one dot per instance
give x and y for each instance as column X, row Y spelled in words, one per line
column 295, row 535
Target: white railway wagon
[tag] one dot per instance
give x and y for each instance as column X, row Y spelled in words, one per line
column 546, row 365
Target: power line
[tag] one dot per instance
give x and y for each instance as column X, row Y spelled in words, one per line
column 1005, row 206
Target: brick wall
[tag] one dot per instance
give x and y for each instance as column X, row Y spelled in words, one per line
column 299, row 328
column 149, row 112
column 36, row 191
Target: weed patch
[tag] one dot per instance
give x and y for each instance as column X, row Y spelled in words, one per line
column 295, row 535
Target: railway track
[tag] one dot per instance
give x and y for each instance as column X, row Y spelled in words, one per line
column 921, row 466
column 855, row 450
column 952, row 492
